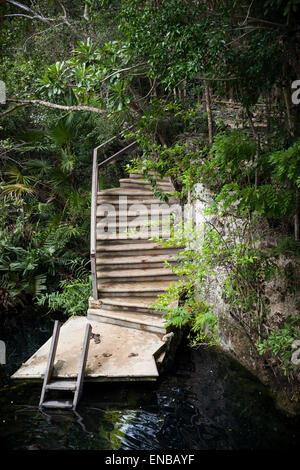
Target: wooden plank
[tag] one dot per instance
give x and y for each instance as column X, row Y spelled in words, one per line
column 51, row 357
column 62, row 385
column 84, row 355
column 58, row 404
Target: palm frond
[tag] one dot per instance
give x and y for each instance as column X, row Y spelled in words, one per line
column 17, row 189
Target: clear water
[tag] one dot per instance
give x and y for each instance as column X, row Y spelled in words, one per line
column 206, row 402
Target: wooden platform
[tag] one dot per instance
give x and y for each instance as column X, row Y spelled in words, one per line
column 124, row 354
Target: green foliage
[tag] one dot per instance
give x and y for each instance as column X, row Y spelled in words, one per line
column 285, row 165
column 279, row 342
column 231, row 152
column 72, row 299
column 245, row 183
column 44, row 214
column 177, row 43
column 31, row 257
column 188, row 40
column 234, row 262
column 85, row 72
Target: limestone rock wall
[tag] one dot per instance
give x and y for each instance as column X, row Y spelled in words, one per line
column 282, row 294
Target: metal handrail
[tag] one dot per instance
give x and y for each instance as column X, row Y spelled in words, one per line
column 118, row 154
column 95, row 182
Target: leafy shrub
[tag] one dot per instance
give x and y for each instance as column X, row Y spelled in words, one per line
column 279, row 343
column 73, row 298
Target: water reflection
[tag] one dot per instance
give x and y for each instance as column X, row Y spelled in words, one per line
column 206, row 402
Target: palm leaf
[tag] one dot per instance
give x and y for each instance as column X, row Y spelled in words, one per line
column 17, row 189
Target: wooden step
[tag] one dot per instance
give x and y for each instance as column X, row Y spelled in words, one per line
column 132, row 185
column 58, row 404
column 138, row 304
column 111, row 223
column 150, row 247
column 138, row 252
column 136, row 183
column 135, row 278
column 119, row 261
column 131, row 234
column 133, row 211
column 128, row 319
column 134, row 262
column 137, row 273
column 136, row 204
column 133, row 302
column 129, row 184
column 133, row 221
column 121, row 267
column 132, row 289
column 165, row 179
column 62, row 385
column 129, row 192
column 132, row 241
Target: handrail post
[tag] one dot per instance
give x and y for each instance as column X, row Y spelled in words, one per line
column 95, row 184
column 51, row 358
column 93, row 223
column 84, row 355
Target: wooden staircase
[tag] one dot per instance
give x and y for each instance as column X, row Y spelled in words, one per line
column 130, row 268
column 128, row 273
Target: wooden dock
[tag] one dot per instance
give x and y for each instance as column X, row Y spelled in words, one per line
column 123, row 354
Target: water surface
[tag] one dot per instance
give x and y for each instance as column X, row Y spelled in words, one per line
column 207, row 401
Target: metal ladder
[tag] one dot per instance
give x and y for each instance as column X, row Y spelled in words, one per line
column 74, row 386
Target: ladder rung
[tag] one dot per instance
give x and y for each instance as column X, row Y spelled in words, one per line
column 57, row 404
column 62, row 385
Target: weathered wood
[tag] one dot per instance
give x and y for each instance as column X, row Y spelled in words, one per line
column 84, row 355
column 62, row 385
column 136, row 320
column 70, row 385
column 51, row 358
column 58, row 404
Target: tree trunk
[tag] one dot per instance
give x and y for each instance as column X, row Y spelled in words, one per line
column 287, row 100
column 209, row 115
column 297, row 216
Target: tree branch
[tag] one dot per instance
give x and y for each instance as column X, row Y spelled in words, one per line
column 248, row 13
column 64, row 17
column 20, row 5
column 122, row 70
column 86, row 12
column 10, row 110
column 35, row 15
column 47, row 104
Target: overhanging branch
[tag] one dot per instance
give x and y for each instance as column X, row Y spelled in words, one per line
column 48, row 104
